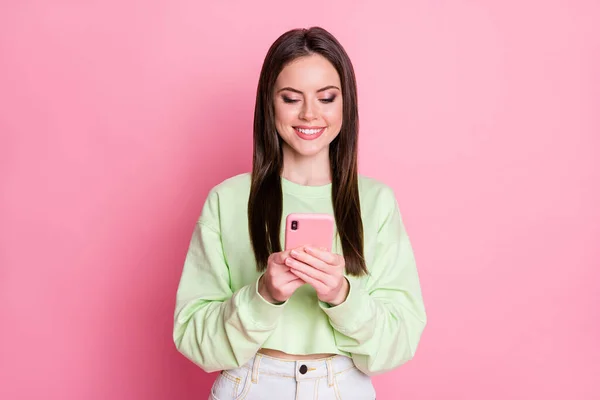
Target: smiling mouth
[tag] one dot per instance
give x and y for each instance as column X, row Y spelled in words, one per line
column 309, row 131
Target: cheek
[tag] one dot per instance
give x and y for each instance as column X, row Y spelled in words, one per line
column 334, row 115
column 284, row 115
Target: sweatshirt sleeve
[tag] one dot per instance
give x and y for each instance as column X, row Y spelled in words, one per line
column 380, row 324
column 215, row 327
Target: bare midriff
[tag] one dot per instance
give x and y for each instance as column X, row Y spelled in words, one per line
column 286, row 356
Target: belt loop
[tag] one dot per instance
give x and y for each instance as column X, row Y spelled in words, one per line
column 329, row 372
column 255, row 368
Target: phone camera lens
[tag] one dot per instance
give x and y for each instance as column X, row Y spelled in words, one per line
column 294, row 225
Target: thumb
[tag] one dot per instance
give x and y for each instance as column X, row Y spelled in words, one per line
column 281, row 256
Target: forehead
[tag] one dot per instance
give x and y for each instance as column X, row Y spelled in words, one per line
column 308, row 73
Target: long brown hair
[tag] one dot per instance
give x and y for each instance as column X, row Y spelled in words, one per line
column 265, row 203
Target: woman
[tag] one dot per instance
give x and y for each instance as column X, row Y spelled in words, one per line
column 306, row 323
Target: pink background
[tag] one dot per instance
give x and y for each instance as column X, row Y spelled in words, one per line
column 117, row 117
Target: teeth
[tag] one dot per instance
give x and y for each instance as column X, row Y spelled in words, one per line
column 309, row 131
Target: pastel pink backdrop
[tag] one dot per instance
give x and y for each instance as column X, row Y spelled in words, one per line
column 117, row 117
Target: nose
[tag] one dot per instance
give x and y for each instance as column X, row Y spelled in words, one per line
column 307, row 112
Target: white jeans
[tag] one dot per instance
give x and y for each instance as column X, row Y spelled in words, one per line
column 269, row 378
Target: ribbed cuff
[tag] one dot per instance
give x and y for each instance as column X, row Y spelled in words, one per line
column 345, row 317
column 262, row 312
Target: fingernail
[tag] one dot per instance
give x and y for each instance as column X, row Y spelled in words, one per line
column 294, row 253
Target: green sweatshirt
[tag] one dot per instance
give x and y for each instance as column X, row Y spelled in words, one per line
column 221, row 320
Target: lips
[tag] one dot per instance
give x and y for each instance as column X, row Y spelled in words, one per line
column 309, row 133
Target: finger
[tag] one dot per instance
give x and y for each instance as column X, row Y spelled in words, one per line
column 279, row 258
column 323, row 255
column 313, row 261
column 277, row 268
column 292, row 285
column 318, row 285
column 306, row 269
column 287, row 277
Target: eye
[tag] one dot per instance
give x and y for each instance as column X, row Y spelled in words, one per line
column 328, row 100
column 288, row 100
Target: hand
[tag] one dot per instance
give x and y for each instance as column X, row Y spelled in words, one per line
column 277, row 283
column 323, row 270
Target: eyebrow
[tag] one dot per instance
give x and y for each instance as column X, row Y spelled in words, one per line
column 299, row 92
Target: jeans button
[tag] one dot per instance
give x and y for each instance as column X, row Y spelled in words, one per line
column 303, row 369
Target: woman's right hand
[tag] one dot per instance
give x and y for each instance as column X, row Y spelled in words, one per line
column 277, row 283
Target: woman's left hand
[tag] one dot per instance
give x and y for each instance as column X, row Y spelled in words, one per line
column 323, row 270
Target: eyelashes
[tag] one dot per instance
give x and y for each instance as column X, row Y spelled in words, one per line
column 292, row 101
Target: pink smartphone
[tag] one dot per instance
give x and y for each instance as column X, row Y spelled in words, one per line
column 308, row 229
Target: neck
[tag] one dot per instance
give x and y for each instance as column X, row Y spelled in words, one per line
column 308, row 171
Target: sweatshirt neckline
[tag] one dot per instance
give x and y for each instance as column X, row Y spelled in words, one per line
column 304, row 190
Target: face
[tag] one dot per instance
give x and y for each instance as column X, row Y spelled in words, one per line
column 308, row 105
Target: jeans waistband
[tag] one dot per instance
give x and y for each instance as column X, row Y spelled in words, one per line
column 298, row 369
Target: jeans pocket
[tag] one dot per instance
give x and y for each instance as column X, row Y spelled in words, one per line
column 231, row 384
column 354, row 385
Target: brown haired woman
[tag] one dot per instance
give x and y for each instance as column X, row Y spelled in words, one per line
column 306, row 323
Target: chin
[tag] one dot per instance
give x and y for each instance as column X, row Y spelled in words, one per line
column 309, row 150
